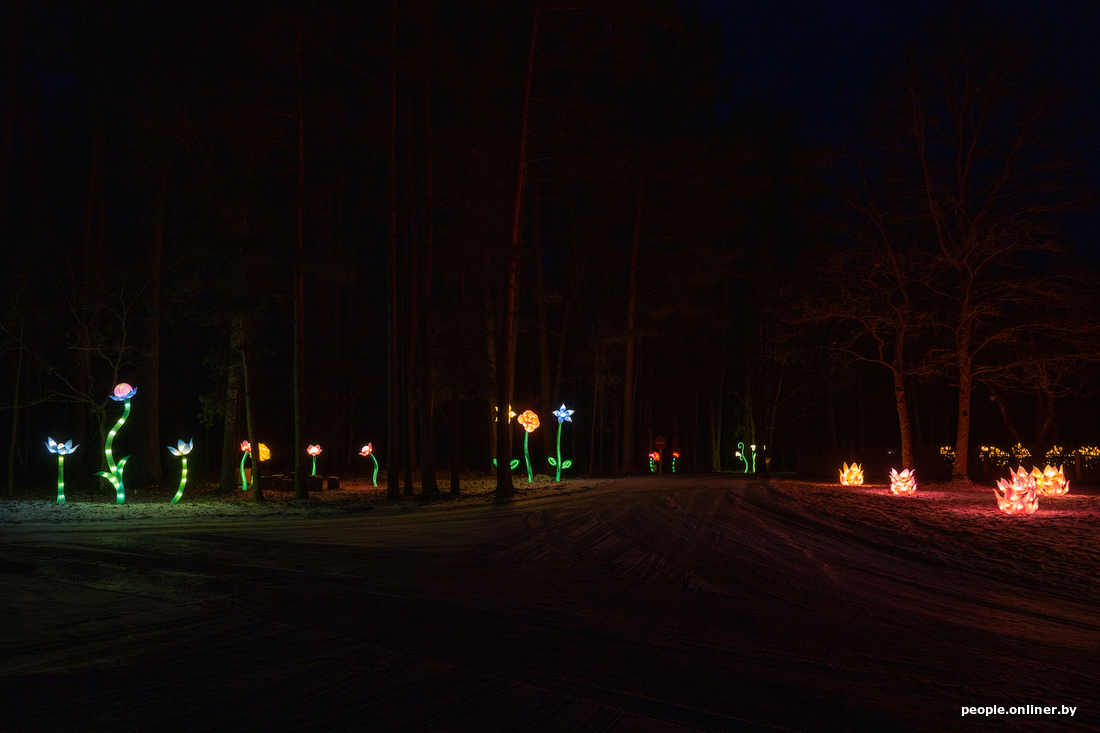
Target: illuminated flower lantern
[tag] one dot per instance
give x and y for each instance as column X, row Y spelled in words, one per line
column 904, row 483
column 529, row 420
column 1050, row 481
column 123, row 393
column 1018, row 495
column 246, row 447
column 62, row 450
column 368, row 450
column 675, row 455
column 851, row 475
column 181, row 450
column 314, row 450
column 741, row 454
column 563, row 415
column 654, row 457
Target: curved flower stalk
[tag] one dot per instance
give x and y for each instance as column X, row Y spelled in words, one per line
column 741, row 454
column 904, row 483
column 529, row 420
column 314, row 450
column 62, row 450
column 123, row 393
column 675, row 455
column 654, row 458
column 265, row 455
column 246, row 451
column 563, row 415
column 368, row 450
column 181, row 450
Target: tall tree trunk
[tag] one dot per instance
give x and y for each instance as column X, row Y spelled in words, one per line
column 393, row 426
column 902, row 399
column 230, row 431
column 301, row 488
column 15, row 410
column 250, row 419
column 962, row 437
column 428, row 486
column 410, row 322
column 507, row 346
column 628, row 382
column 546, row 399
column 151, row 383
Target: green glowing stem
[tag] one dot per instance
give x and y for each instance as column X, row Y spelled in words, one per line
column 652, row 468
column 315, row 465
column 244, row 481
column 61, row 479
column 674, row 464
column 558, row 466
column 375, row 470
column 183, row 482
column 754, row 460
column 530, row 476
column 114, row 475
column 741, row 450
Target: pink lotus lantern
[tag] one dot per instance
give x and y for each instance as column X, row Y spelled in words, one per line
column 314, row 450
column 1050, row 481
column 1018, row 495
column 851, row 475
column 904, row 483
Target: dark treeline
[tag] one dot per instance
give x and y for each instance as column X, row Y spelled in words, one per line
column 341, row 223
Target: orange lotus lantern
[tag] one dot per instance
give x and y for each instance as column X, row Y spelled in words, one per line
column 1050, row 481
column 1018, row 495
column 904, row 483
column 851, row 475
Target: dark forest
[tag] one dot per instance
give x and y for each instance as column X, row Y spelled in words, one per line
column 349, row 223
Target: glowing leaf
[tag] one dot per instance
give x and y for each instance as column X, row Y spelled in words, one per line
column 566, row 464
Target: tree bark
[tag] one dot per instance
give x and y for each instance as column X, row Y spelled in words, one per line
column 393, row 426
column 230, row 446
column 250, row 418
column 151, row 383
column 301, row 487
column 15, row 412
column 507, row 346
column 410, row 322
column 962, row 436
column 428, row 486
column 546, row 399
column 628, row 386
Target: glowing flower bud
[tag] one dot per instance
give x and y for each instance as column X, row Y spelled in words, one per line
column 367, row 450
column 529, row 421
column 61, row 449
column 562, row 414
column 246, row 446
column 313, row 450
column 181, row 448
column 123, row 392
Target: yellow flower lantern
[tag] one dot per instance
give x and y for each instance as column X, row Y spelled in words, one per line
column 851, row 475
column 1018, row 495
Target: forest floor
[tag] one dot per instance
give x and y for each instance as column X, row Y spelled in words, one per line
column 660, row 603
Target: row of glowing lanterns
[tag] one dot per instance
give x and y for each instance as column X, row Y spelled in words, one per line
column 1019, row 494
column 124, row 393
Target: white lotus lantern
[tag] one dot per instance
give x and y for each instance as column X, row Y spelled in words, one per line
column 1018, row 495
column 904, row 483
column 851, row 475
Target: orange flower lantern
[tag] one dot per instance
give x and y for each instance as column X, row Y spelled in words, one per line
column 851, row 475
column 1018, row 495
column 1050, row 481
column 904, row 483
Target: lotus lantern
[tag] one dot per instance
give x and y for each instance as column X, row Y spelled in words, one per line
column 1050, row 481
column 904, row 483
column 1018, row 495
column 851, row 475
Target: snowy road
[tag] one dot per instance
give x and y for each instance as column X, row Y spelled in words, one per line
column 654, row 604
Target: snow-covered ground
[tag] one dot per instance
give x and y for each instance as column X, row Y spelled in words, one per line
column 649, row 604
